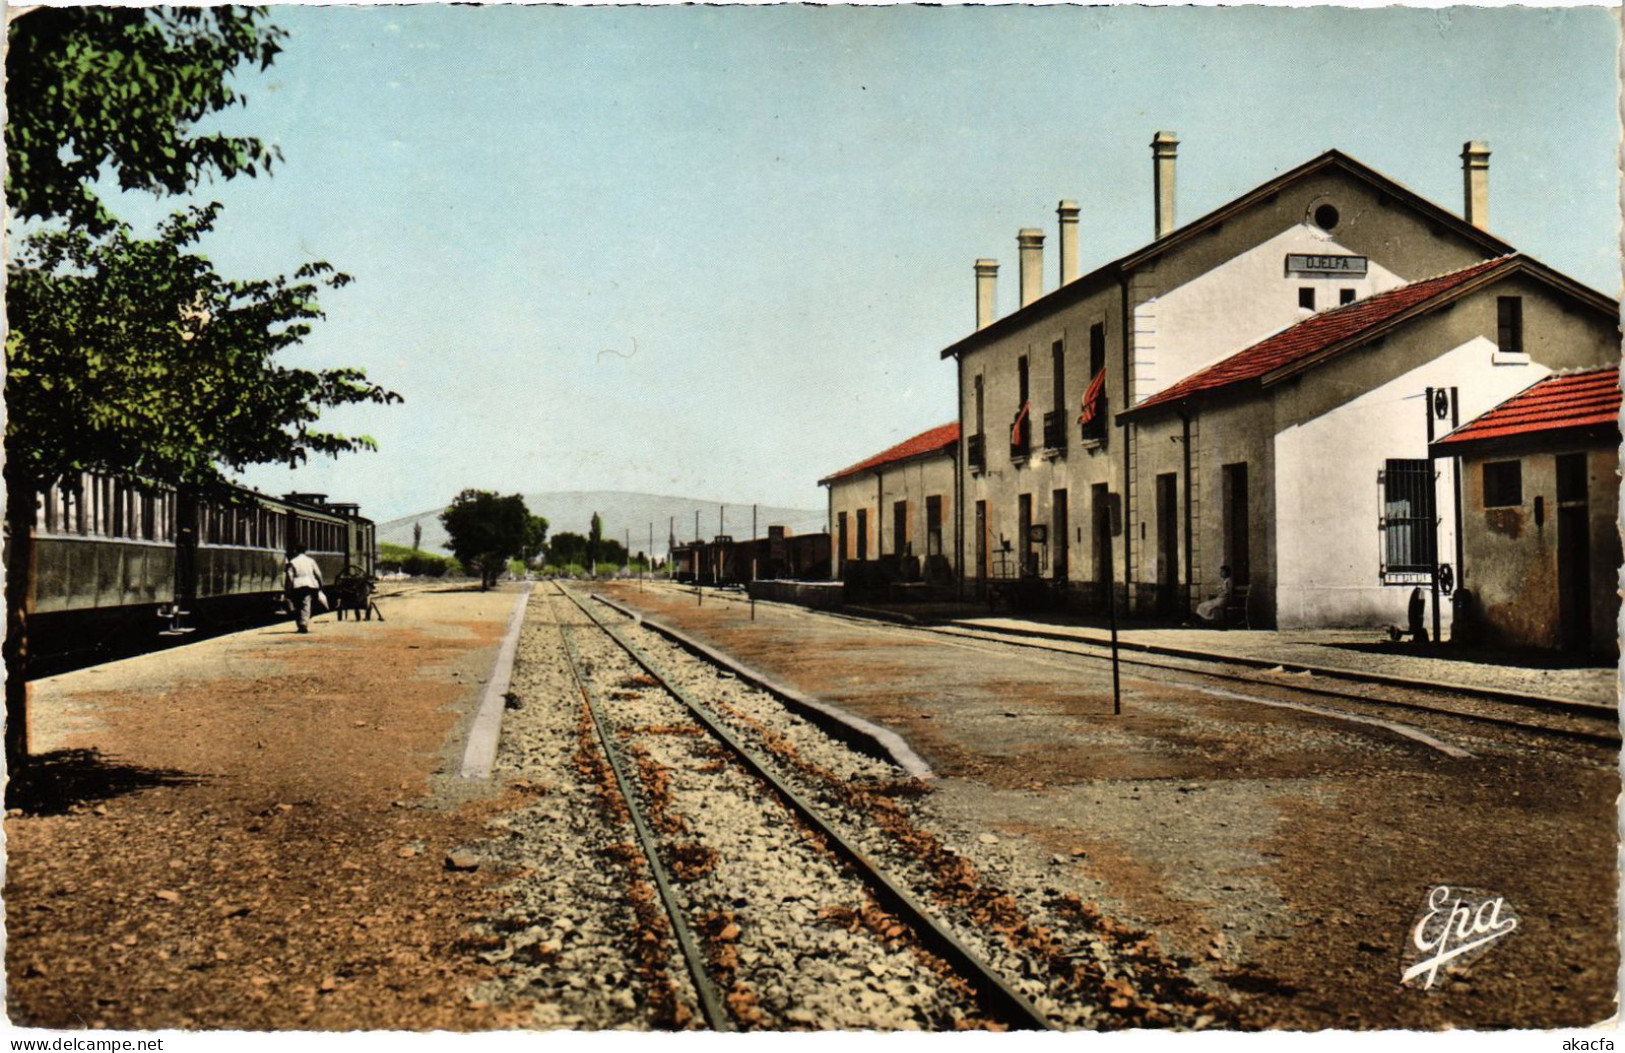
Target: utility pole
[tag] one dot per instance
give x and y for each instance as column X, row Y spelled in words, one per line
column 1433, row 495
column 1114, row 527
column 1455, row 480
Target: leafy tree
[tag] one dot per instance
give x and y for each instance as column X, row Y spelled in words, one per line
column 417, row 537
column 167, row 370
column 595, row 538
column 132, row 356
column 122, row 89
column 487, row 530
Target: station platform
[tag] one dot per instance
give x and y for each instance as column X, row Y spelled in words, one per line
column 252, row 831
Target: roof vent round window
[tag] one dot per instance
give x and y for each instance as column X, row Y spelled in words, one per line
column 1326, row 217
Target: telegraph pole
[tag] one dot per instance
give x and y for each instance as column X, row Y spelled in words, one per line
column 1114, row 526
column 1433, row 495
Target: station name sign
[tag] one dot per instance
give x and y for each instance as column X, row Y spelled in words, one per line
column 1344, row 266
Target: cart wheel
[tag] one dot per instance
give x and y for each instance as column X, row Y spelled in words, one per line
column 352, row 573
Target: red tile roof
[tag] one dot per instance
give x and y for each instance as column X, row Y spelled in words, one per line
column 933, row 441
column 1561, row 402
column 1318, row 333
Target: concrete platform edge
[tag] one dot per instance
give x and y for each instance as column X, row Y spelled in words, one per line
column 480, row 756
column 848, row 727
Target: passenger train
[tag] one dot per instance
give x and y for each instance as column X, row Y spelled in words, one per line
column 118, row 565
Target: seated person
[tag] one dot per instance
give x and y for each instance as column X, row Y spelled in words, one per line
column 1211, row 610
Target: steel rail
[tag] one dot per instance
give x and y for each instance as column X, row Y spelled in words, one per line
column 1598, row 738
column 1488, row 694
column 996, row 992
column 1533, row 703
column 711, row 1005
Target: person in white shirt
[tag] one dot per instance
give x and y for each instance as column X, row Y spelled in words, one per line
column 304, row 580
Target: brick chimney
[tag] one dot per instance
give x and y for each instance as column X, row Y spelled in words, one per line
column 987, row 275
column 1067, row 214
column 1164, row 149
column 1030, row 243
column 1475, row 175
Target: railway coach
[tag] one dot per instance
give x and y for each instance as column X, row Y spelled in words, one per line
column 117, row 565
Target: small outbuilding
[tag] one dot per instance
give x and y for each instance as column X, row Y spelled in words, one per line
column 897, row 508
column 1538, row 513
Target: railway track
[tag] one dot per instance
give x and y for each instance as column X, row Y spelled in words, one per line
column 1541, row 717
column 657, row 736
column 1571, row 722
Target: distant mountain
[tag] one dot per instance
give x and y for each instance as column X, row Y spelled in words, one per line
column 625, row 513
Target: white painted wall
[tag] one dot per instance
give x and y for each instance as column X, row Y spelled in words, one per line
column 1235, row 305
column 1327, row 501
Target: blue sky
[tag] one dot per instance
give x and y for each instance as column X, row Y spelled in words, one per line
column 716, row 251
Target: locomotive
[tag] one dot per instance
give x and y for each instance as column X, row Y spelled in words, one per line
column 119, row 565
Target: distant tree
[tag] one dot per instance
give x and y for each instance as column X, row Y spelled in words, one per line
column 417, row 537
column 594, row 538
column 487, row 530
column 566, row 548
column 411, row 561
column 536, row 538
column 612, row 551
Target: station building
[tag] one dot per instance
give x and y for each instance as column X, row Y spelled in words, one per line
column 898, row 508
column 1251, row 389
column 1315, row 440
column 1539, row 510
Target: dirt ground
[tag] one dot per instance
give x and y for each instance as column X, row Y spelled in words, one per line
column 1284, row 855
column 252, row 832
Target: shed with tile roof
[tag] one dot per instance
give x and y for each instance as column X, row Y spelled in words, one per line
column 1539, row 505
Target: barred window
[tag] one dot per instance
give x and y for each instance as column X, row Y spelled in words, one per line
column 1407, row 519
